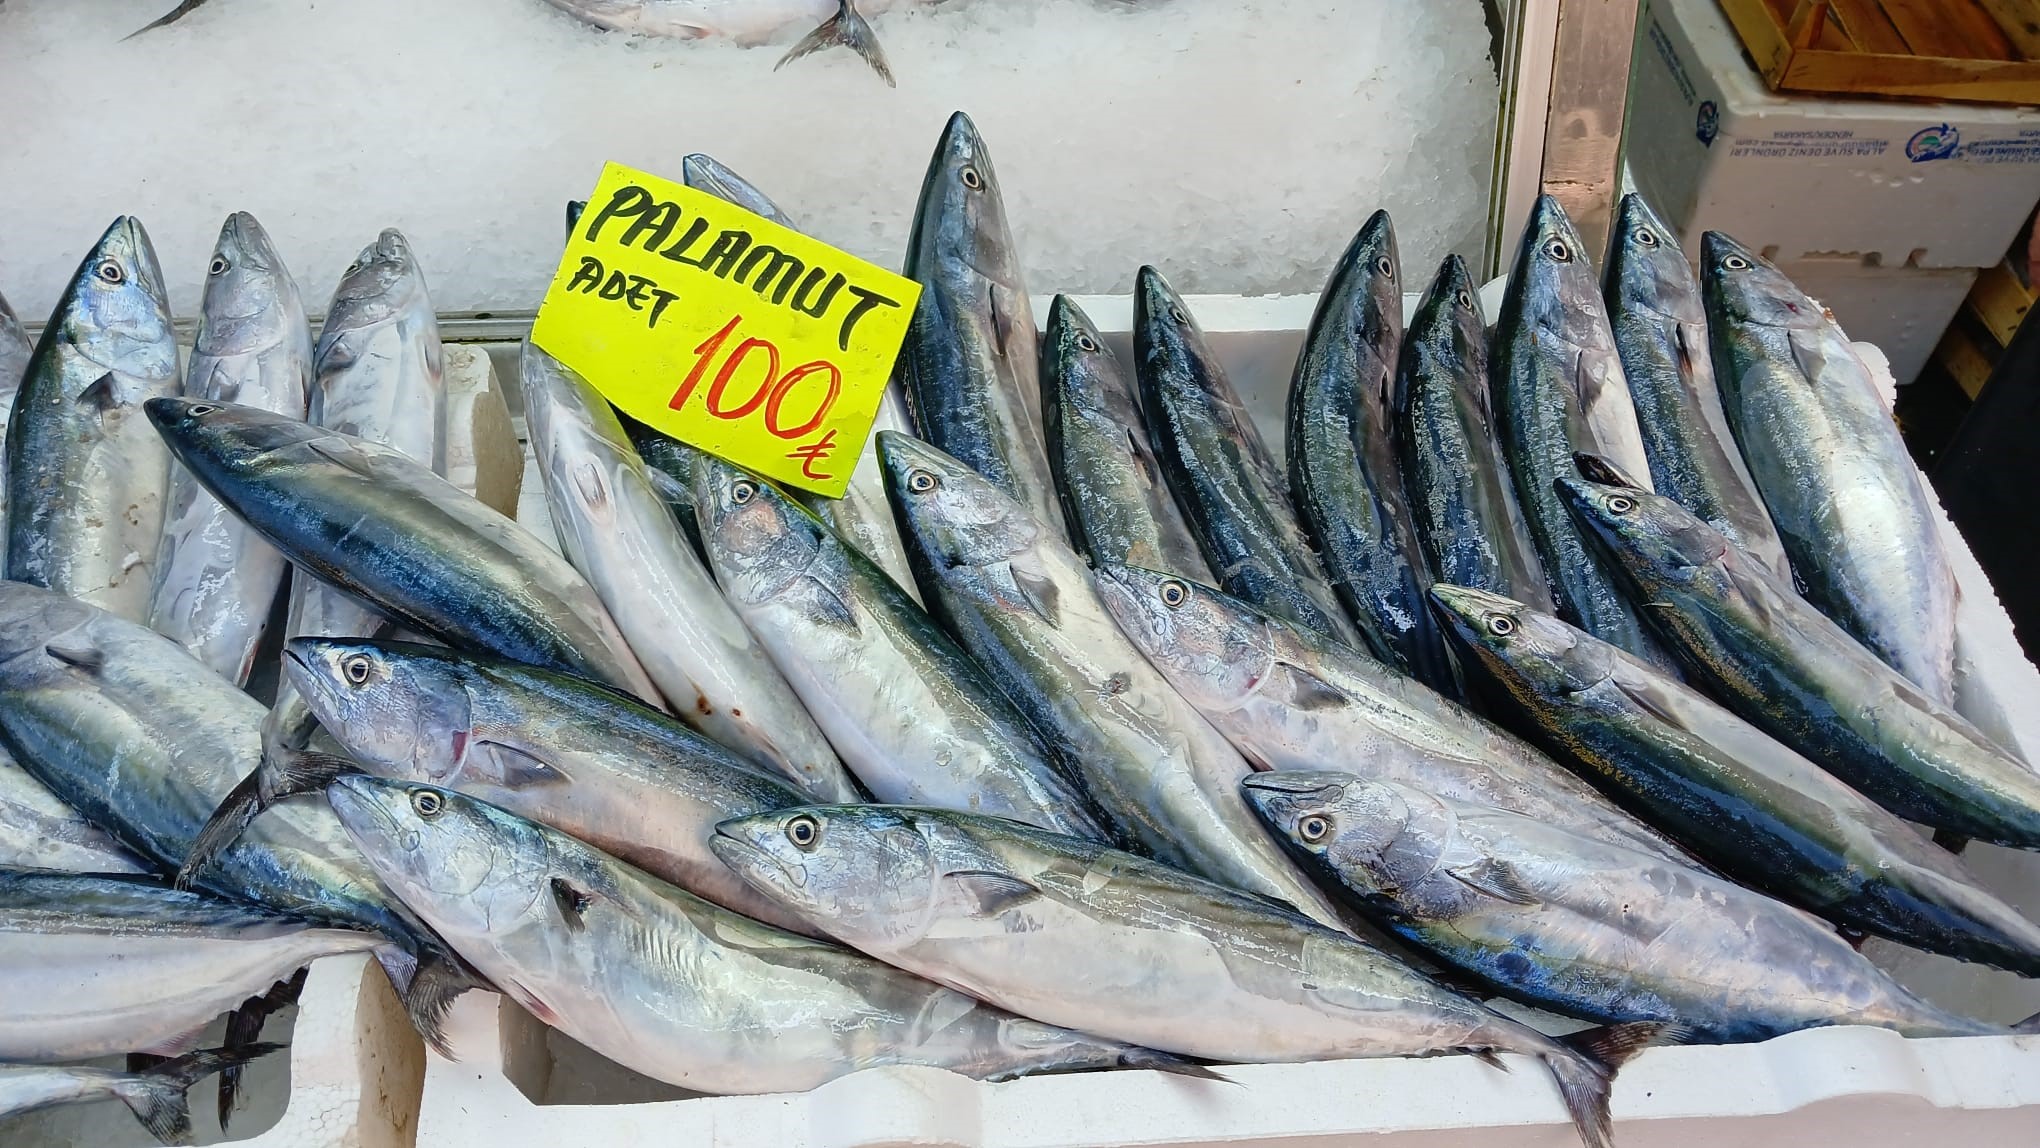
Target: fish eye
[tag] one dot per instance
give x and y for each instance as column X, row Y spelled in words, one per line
column 1086, row 343
column 920, row 481
column 1386, row 266
column 218, row 266
column 200, row 410
column 110, row 271
column 1314, row 828
column 1501, row 625
column 356, row 668
column 1176, row 314
column 803, row 831
column 1174, row 594
column 1464, row 298
column 426, row 803
column 1736, row 263
column 1559, row 250
column 971, row 178
column 1647, row 237
column 742, row 491
column 1621, row 504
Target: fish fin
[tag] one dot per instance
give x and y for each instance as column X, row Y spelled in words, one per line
column 1649, row 696
column 156, row 1095
column 1300, row 689
column 1614, row 1045
column 1950, row 840
column 1601, row 469
column 235, row 813
column 516, row 769
column 847, row 28
column 670, row 490
column 76, row 648
column 833, row 608
column 571, row 902
column 2030, row 1025
column 1494, row 878
column 1583, row 1083
column 102, row 395
column 1137, row 1057
column 440, row 979
column 1041, row 596
column 244, row 1025
column 306, row 771
column 988, row 894
column 1489, row 1057
column 183, row 9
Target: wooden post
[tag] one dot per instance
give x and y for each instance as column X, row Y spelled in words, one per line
column 1583, row 127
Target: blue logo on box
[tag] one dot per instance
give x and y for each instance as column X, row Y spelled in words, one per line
column 1708, row 125
column 1937, row 142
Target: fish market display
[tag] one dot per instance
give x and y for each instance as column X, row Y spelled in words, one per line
column 378, row 524
column 85, row 472
column 579, row 757
column 1583, row 926
column 38, row 831
column 1023, row 603
column 911, row 713
column 1342, row 462
column 1056, row 927
column 1752, row 808
column 1227, row 483
column 616, row 530
column 1558, row 389
column 1292, row 699
column 1801, row 678
column 215, row 577
column 1825, row 453
column 15, row 349
column 1460, row 496
column 970, row 362
column 717, row 1002
column 1114, row 501
column 155, row 1094
column 1660, row 327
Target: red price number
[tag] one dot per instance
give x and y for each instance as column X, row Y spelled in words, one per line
column 737, row 393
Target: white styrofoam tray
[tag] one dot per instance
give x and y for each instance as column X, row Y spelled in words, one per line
column 518, row 1083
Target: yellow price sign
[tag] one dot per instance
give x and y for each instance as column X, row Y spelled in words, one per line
column 724, row 329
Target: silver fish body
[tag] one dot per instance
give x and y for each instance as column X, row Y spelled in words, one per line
column 1821, row 443
column 15, row 350
column 85, row 472
column 618, row 531
column 1023, row 603
column 216, row 579
column 38, row 831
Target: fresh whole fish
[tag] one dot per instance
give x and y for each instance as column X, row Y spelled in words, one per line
column 215, row 578
column 615, row 529
column 1212, row 456
column 155, row 1095
column 1827, row 457
column 748, row 22
column 1583, row 926
column 1114, row 501
column 1022, row 602
column 1342, row 462
column 1053, row 926
column 378, row 524
column 1291, row 699
column 1755, row 810
column 1457, row 485
column 970, row 360
column 14, row 353
column 913, row 716
column 85, row 476
column 1558, row 389
column 97, row 966
column 1787, row 669
column 1660, row 328
column 38, row 831
column 716, row 1002
column 579, row 757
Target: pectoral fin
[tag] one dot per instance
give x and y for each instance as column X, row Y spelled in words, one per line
column 1492, row 878
column 985, row 894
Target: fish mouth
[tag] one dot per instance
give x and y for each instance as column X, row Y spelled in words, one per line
column 1288, row 783
column 724, row 841
column 361, row 814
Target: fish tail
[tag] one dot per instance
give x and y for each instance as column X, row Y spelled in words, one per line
column 274, row 779
column 157, row 1095
column 1585, row 1071
column 244, row 1025
column 171, row 17
column 1135, row 1056
column 847, row 29
column 439, row 980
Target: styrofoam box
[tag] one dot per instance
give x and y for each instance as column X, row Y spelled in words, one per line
column 520, row 1084
column 1930, row 185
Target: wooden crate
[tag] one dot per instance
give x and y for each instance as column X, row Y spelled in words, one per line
column 1974, row 342
column 1977, row 51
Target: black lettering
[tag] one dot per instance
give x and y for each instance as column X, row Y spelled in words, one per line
column 678, row 252
column 636, row 295
column 866, row 300
column 723, row 253
column 658, row 221
column 613, row 287
column 660, row 299
column 587, row 275
column 775, row 261
column 626, row 203
column 820, row 306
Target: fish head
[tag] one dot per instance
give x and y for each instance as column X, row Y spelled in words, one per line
column 1450, row 312
column 760, row 541
column 864, row 873
column 1214, row 649
column 961, row 217
column 955, row 516
column 398, row 708
column 382, row 282
column 116, row 311
column 1519, row 643
column 1166, row 336
column 706, row 173
column 465, row 866
column 1337, row 820
column 1366, row 287
column 567, row 417
column 251, row 302
column 1742, row 287
column 1552, row 285
column 1079, row 373
column 1647, row 267
column 1648, row 537
column 211, row 437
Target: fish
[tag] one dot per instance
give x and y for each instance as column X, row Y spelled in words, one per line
column 1231, row 492
column 1660, row 327
column 100, row 965
column 1461, row 498
column 1558, row 389
column 913, row 716
column 842, row 24
column 1342, row 462
column 215, row 578
column 716, row 1002
column 39, row 831
column 1755, row 810
column 1292, row 699
column 1582, row 926
column 15, row 349
column 1115, row 504
column 1023, row 603
column 1789, row 670
column 1849, row 504
column 1056, row 927
column 85, row 477
column 378, row 524
column 156, row 1095
column 861, row 516
column 669, row 465
column 582, row 758
column 617, row 531
column 970, row 365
